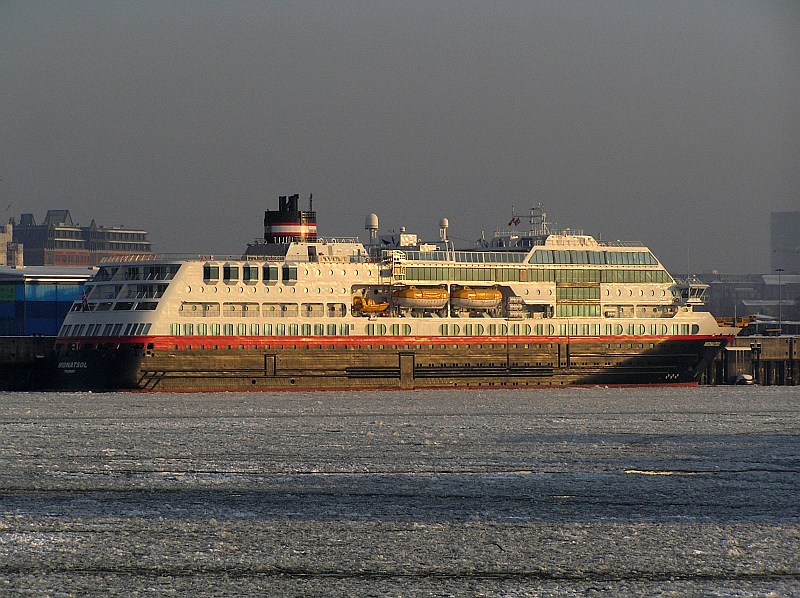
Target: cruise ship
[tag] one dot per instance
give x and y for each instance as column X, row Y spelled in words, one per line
column 300, row 312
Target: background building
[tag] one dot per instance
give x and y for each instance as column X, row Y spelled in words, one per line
column 58, row 241
column 785, row 241
column 770, row 298
column 34, row 300
column 10, row 252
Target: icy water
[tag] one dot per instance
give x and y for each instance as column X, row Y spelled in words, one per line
column 627, row 492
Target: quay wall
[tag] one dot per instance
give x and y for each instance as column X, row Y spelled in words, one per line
column 24, row 361
column 770, row 360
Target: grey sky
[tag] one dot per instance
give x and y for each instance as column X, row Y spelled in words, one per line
column 673, row 123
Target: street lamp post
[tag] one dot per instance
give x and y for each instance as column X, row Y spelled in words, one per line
column 780, row 302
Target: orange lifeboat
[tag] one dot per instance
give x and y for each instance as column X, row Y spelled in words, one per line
column 369, row 306
column 415, row 298
column 483, row 298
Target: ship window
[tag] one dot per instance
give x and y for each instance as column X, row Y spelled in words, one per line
column 227, row 329
column 313, row 310
column 105, row 274
column 579, row 257
column 337, row 310
column 210, row 273
column 596, row 257
column 289, row 274
column 478, row 329
column 241, row 329
column 215, row 329
column 542, row 256
column 684, row 328
column 202, row 329
column 293, row 329
column 250, row 274
column 345, row 329
column 188, row 329
column 270, row 274
column 230, row 273
column 577, row 311
column 146, row 306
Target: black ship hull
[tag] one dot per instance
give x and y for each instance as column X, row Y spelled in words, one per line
column 410, row 363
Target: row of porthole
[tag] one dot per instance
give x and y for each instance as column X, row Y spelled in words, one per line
column 343, row 291
column 278, row 290
column 541, row 329
column 652, row 293
column 641, row 292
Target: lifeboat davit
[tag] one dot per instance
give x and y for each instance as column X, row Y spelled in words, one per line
column 416, row 298
column 369, row 306
column 467, row 298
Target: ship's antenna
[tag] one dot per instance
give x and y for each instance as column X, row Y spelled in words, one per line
column 539, row 224
column 444, row 224
column 311, row 203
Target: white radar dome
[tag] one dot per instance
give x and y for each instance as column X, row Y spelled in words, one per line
column 371, row 222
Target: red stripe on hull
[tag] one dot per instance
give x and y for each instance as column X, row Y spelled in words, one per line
column 248, row 342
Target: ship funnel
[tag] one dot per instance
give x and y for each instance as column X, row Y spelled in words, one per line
column 289, row 224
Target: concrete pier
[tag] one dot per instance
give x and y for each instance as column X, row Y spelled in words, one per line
column 770, row 360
